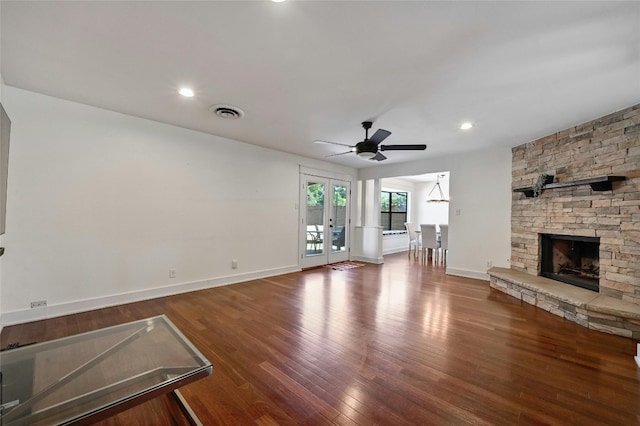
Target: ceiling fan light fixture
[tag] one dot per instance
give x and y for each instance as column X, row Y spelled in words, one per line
column 366, row 155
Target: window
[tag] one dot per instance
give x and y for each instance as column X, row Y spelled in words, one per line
column 393, row 207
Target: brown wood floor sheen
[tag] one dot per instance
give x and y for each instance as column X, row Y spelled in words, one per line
column 394, row 344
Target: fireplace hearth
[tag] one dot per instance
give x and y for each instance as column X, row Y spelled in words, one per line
column 571, row 259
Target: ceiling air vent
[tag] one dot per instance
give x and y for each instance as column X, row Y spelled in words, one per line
column 227, row 111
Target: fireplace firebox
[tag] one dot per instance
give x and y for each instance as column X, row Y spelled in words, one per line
column 571, row 259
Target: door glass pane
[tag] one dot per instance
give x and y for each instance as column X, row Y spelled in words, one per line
column 339, row 218
column 315, row 218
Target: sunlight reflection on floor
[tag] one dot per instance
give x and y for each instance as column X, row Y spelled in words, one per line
column 435, row 321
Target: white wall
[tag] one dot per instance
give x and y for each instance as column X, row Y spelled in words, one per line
column 480, row 189
column 101, row 205
column 1, row 237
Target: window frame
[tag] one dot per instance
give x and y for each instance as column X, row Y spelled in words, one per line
column 387, row 227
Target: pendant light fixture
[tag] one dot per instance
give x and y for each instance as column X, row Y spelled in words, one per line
column 442, row 198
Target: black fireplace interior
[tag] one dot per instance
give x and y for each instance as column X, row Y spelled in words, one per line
column 571, row 259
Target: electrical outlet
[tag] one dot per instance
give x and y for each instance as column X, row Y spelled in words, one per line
column 489, row 264
column 234, row 264
column 172, row 273
column 39, row 304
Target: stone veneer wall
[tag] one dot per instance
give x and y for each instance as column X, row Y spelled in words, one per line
column 605, row 146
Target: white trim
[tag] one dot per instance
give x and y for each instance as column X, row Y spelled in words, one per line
column 326, row 174
column 468, row 274
column 51, row 311
column 375, row 260
column 395, row 250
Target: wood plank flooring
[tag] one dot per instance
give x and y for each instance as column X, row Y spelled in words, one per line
column 394, row 344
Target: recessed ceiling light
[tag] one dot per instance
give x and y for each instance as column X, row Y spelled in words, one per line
column 466, row 126
column 186, row 92
column 277, row 1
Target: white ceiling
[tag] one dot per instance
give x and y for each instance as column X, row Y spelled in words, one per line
column 307, row 70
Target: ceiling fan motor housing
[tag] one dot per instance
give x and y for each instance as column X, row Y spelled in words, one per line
column 366, row 147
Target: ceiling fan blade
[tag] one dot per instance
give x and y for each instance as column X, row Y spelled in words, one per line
column 379, row 136
column 378, row 157
column 402, row 147
column 340, row 153
column 331, row 143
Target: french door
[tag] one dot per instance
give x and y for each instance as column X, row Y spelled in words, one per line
column 324, row 221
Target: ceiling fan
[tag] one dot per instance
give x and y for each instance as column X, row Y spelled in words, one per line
column 370, row 148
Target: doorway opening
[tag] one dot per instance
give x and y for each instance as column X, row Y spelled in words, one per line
column 325, row 220
column 423, row 205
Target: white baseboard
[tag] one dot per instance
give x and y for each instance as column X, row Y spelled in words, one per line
column 52, row 311
column 394, row 250
column 376, row 260
column 468, row 273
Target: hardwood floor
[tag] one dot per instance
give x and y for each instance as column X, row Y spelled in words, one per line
column 393, row 344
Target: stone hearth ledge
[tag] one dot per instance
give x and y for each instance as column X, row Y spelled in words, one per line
column 585, row 307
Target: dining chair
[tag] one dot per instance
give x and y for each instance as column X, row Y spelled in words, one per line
column 314, row 238
column 444, row 241
column 413, row 239
column 429, row 240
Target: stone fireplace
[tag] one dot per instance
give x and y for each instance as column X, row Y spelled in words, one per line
column 593, row 198
column 571, row 259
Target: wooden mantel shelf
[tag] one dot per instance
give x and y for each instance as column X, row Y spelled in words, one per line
column 602, row 183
